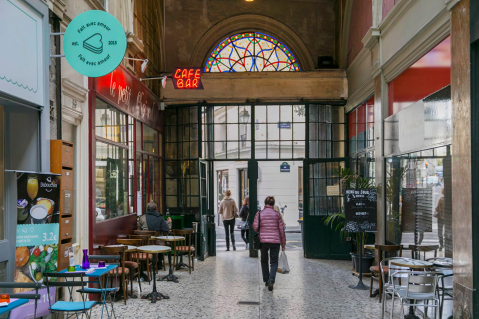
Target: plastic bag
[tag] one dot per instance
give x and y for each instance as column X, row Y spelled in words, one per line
column 283, row 267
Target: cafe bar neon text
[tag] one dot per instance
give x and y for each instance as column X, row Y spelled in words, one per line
column 187, row 78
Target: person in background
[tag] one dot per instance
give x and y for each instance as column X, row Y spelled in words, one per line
column 272, row 236
column 154, row 221
column 228, row 212
column 244, row 214
column 439, row 214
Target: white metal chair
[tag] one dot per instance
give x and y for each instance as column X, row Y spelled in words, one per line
column 445, row 281
column 420, row 289
column 386, row 269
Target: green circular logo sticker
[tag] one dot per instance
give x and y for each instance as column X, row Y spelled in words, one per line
column 94, row 43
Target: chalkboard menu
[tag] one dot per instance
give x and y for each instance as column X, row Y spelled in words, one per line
column 360, row 207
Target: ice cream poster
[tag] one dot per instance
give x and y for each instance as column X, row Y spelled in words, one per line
column 37, row 238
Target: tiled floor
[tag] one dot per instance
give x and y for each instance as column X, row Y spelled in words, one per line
column 313, row 289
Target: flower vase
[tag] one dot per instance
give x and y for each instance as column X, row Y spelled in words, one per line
column 86, row 262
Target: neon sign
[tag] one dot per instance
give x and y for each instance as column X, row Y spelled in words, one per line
column 187, row 79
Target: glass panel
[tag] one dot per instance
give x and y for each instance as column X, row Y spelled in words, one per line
column 286, row 131
column 286, row 149
column 260, row 113
column 232, row 114
column 193, row 114
column 286, row 113
column 299, row 150
column 220, row 150
column 150, row 140
column 219, row 114
column 232, row 132
column 245, row 151
column 299, row 130
column 273, row 113
column 260, row 150
column 2, row 177
column 220, row 132
column 299, row 113
column 170, row 116
column 111, row 181
column 273, row 131
column 260, row 133
column 273, row 149
column 232, row 148
column 109, row 122
column 193, row 149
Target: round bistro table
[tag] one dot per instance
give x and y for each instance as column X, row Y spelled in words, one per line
column 129, row 248
column 173, row 239
column 414, row 265
column 155, row 250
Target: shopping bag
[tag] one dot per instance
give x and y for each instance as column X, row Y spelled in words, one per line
column 283, row 267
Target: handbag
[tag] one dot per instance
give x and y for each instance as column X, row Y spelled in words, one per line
column 283, row 267
column 256, row 241
column 243, row 225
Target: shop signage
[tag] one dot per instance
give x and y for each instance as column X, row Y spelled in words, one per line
column 187, row 79
column 94, row 43
column 360, row 206
column 411, row 127
column 285, row 125
column 38, row 205
column 285, row 168
column 332, row 190
column 125, row 92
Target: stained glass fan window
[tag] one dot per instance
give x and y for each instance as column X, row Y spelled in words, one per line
column 251, row 52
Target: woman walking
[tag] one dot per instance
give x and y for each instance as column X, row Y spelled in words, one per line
column 228, row 212
column 244, row 214
column 269, row 224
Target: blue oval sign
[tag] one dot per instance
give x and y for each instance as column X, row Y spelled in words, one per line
column 94, row 43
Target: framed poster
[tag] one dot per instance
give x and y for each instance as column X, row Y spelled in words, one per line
column 360, row 206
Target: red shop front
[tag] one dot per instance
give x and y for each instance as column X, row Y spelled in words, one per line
column 126, row 155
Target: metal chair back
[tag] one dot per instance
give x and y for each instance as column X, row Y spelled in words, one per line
column 35, row 296
column 79, row 280
column 421, row 283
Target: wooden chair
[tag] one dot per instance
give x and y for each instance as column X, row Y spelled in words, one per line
column 144, row 232
column 390, row 251
column 130, row 262
column 122, row 270
column 144, row 257
column 184, row 247
column 417, row 249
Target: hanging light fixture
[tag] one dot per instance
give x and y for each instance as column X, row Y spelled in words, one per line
column 249, row 0
column 244, row 116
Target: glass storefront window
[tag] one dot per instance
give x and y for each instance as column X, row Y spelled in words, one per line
column 419, row 201
column 109, row 122
column 326, row 131
column 150, row 140
column 111, row 181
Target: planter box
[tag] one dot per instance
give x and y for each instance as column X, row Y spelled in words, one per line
column 367, row 262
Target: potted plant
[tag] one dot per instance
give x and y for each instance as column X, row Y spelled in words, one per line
column 336, row 221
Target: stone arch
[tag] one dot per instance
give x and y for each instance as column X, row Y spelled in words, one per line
column 250, row 23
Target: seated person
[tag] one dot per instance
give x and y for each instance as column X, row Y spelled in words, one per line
column 154, row 221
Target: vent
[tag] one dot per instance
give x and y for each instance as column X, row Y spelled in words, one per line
column 251, row 303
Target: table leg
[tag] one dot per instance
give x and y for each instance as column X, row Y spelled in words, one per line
column 154, row 295
column 181, row 263
column 411, row 314
column 170, row 276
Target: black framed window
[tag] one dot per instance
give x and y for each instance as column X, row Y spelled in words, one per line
column 327, row 131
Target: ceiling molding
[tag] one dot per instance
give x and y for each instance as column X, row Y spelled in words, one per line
column 71, row 115
column 451, row 4
column 251, row 23
column 393, row 15
column 344, row 37
column 371, row 39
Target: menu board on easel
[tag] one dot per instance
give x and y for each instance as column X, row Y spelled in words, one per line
column 38, row 196
column 360, row 208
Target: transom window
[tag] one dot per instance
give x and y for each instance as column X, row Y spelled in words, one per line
column 251, row 52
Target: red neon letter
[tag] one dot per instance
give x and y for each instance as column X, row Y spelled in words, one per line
column 177, row 74
column 184, row 74
column 197, row 74
column 188, row 84
column 190, row 73
column 179, row 83
column 195, row 83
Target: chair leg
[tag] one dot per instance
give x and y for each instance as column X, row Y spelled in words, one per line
column 164, row 264
column 383, row 303
column 371, row 286
column 392, row 307
column 131, row 281
column 189, row 262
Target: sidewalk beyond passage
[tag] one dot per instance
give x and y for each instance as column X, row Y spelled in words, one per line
column 289, row 229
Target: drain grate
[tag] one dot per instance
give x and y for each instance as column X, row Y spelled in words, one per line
column 254, row 303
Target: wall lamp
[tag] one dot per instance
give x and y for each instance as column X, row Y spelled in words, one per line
column 143, row 65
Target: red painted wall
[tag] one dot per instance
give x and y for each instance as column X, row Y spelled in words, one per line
column 361, row 21
column 387, row 6
column 428, row 75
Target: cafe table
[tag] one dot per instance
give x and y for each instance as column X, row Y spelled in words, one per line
column 97, row 272
column 129, row 248
column 413, row 264
column 14, row 303
column 173, row 239
column 155, row 250
column 370, row 247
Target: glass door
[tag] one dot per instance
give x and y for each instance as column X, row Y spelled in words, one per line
column 322, row 241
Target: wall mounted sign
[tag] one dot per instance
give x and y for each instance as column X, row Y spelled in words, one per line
column 285, row 168
column 332, row 190
column 360, row 206
column 94, row 43
column 285, row 125
column 187, row 79
column 125, row 92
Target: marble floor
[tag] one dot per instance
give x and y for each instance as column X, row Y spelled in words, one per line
column 313, row 289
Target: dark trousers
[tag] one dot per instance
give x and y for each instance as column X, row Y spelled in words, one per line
column 440, row 231
column 229, row 229
column 245, row 235
column 274, row 253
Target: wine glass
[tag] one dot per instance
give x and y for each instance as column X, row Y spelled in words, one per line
column 32, row 186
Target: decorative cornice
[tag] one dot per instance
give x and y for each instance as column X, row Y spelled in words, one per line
column 95, row 4
column 57, row 6
column 71, row 115
column 371, row 38
column 135, row 45
column 74, row 90
column 393, row 15
column 451, row 4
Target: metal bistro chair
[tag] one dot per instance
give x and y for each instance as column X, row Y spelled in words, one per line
column 445, row 287
column 185, row 248
column 76, row 307
column 35, row 296
column 130, row 262
column 390, row 251
column 418, row 249
column 112, row 260
column 388, row 289
column 420, row 287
